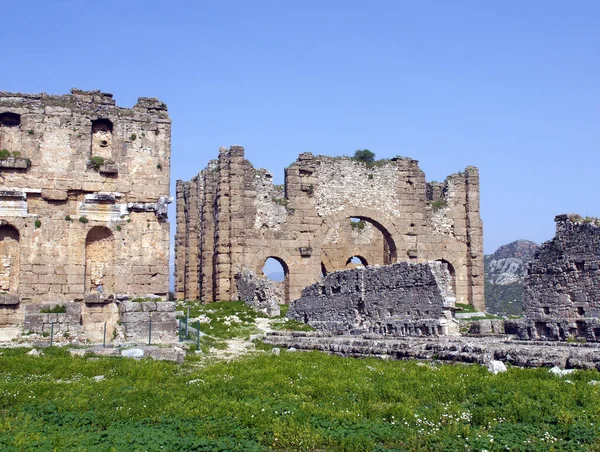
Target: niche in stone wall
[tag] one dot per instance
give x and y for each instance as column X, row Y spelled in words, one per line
column 10, row 132
column 99, row 255
column 102, row 138
column 9, row 259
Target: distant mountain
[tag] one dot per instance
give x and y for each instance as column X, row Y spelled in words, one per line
column 504, row 274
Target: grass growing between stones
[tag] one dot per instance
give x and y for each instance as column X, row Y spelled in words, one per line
column 290, row 401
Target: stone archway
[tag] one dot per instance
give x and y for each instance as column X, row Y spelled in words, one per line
column 357, row 233
column 286, row 276
column 10, row 251
column 99, row 260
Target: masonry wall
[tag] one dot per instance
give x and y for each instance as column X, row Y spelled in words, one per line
column 561, row 296
column 402, row 299
column 84, row 189
column 232, row 216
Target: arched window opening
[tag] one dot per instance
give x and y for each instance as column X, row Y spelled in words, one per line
column 9, row 119
column 99, row 256
column 102, row 138
column 356, row 261
column 357, row 224
column 451, row 274
column 277, row 271
column 10, row 133
column 9, row 259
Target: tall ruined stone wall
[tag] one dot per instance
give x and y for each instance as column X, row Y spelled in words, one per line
column 402, row 299
column 232, row 216
column 84, row 188
column 562, row 289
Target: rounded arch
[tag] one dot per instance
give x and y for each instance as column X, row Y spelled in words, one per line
column 102, row 125
column 10, row 254
column 334, row 257
column 452, row 272
column 99, row 260
column 9, row 119
column 356, row 260
column 286, row 275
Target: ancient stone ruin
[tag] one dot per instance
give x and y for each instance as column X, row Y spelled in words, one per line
column 562, row 289
column 84, row 188
column 402, row 299
column 231, row 216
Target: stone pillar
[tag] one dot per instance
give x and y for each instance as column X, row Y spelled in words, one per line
column 222, row 265
column 207, row 237
column 181, row 235
column 474, row 241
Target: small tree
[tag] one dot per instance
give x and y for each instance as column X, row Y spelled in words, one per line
column 364, row 155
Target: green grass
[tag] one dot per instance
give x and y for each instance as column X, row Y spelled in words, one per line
column 228, row 319
column 293, row 401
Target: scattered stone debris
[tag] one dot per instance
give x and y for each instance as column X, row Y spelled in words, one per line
column 561, row 372
column 35, row 352
column 496, row 367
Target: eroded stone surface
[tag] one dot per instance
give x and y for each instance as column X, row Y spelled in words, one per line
column 231, row 216
column 402, row 299
column 82, row 202
column 562, row 289
column 262, row 294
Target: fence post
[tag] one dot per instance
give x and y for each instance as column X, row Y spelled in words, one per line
column 187, row 319
column 179, row 330
column 104, row 339
column 150, row 331
column 198, row 333
column 51, row 333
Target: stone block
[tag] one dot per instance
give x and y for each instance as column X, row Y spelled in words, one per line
column 9, row 299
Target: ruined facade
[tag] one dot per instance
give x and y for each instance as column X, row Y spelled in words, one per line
column 84, row 188
column 232, row 216
column 402, row 299
column 562, row 289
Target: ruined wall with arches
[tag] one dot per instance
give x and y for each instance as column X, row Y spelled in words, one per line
column 84, row 188
column 330, row 209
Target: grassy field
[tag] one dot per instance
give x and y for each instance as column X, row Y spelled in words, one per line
column 293, row 401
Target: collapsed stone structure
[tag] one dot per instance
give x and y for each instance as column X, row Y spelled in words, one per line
column 401, row 299
column 232, row 216
column 562, row 289
column 84, row 188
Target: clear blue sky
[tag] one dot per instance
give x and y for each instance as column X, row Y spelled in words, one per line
column 512, row 87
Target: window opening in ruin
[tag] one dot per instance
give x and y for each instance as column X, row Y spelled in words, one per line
column 546, row 310
column 580, row 265
column 452, row 273
column 335, row 290
column 102, row 138
column 9, row 259
column 99, row 261
column 356, row 261
column 277, row 271
column 9, row 119
column 357, row 224
column 580, row 311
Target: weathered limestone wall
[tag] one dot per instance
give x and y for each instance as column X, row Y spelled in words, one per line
column 232, row 216
column 402, row 299
column 137, row 316
column 561, row 296
column 83, row 197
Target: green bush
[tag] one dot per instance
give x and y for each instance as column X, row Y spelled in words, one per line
column 57, row 309
column 83, row 220
column 96, row 162
column 37, row 224
column 364, row 155
column 4, row 154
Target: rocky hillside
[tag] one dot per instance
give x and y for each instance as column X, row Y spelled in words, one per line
column 504, row 273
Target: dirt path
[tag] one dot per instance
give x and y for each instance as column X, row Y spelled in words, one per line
column 238, row 347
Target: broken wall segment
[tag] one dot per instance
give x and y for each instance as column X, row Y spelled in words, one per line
column 402, row 299
column 260, row 293
column 232, row 216
column 88, row 211
column 561, row 297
